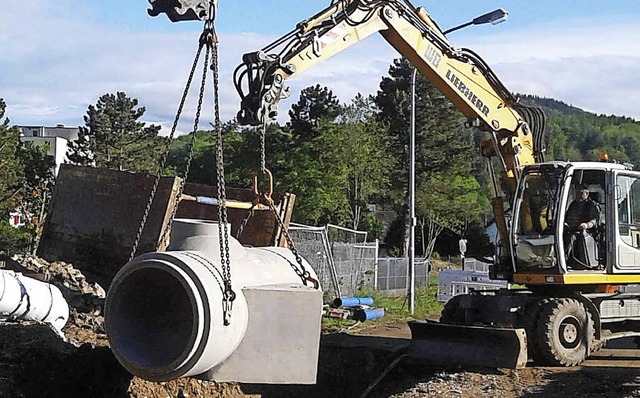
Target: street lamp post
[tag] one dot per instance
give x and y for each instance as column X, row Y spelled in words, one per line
column 494, row 17
column 412, row 196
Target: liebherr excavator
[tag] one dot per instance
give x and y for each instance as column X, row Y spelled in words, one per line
column 577, row 292
column 578, row 279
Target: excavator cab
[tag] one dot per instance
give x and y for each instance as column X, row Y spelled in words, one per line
column 559, row 223
column 564, row 217
column 534, row 246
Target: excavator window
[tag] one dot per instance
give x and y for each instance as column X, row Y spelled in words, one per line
column 628, row 207
column 534, row 224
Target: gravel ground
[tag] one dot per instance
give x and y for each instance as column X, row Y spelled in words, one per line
column 35, row 362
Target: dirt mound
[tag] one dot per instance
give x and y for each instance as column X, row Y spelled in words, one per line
column 35, row 362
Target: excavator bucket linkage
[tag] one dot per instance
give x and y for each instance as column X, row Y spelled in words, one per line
column 468, row 345
column 182, row 10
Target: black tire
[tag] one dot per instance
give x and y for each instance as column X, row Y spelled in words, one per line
column 562, row 334
column 452, row 313
column 530, row 324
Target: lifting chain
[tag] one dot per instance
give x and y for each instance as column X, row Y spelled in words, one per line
column 223, row 227
column 246, row 220
column 165, row 156
column 263, row 150
column 263, row 169
column 205, row 39
column 300, row 270
column 208, row 39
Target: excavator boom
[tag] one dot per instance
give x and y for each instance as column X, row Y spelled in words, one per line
column 460, row 74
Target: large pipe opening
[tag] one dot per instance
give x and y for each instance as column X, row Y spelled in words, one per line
column 156, row 322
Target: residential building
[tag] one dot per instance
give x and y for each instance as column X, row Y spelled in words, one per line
column 57, row 138
column 15, row 219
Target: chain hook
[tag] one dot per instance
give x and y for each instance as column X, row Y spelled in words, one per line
column 307, row 277
column 228, row 297
column 256, row 190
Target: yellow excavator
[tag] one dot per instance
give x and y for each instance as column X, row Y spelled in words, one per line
column 577, row 268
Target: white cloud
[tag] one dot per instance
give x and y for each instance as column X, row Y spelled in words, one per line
column 57, row 64
column 591, row 67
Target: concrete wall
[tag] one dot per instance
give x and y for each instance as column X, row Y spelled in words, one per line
column 68, row 133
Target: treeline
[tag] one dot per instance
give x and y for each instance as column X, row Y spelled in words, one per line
column 576, row 135
column 26, row 180
column 347, row 163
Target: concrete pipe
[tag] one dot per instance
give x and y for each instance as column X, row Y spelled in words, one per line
column 29, row 299
column 164, row 310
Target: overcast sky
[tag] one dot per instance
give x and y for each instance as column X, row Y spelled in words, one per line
column 58, row 57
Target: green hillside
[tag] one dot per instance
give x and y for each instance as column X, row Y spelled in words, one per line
column 574, row 134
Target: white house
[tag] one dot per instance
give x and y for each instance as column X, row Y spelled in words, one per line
column 57, row 137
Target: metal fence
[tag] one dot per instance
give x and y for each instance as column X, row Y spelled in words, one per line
column 345, row 262
column 392, row 275
column 342, row 259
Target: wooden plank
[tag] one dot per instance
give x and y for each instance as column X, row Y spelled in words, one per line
column 260, row 230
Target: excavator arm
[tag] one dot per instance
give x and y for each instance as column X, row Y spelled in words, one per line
column 461, row 75
column 515, row 132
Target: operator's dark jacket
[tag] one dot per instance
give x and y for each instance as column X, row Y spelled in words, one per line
column 582, row 211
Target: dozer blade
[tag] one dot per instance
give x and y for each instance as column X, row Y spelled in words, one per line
column 446, row 344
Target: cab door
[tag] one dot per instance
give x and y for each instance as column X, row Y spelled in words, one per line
column 625, row 207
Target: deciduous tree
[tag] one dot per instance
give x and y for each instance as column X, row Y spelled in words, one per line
column 10, row 167
column 355, row 152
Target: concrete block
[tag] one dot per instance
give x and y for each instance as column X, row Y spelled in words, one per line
column 282, row 340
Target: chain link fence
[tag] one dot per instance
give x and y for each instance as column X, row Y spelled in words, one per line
column 345, row 262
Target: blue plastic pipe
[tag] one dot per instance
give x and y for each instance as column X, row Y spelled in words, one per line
column 352, row 301
column 368, row 314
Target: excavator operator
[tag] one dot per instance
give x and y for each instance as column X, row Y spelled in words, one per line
column 583, row 212
column 581, row 219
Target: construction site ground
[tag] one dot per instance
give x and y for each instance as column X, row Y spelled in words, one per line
column 36, row 362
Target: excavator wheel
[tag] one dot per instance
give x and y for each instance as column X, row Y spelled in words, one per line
column 452, row 313
column 564, row 328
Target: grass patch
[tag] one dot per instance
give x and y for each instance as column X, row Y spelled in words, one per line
column 396, row 309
